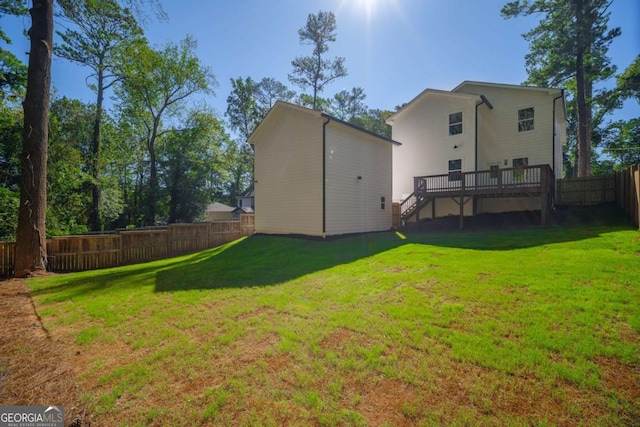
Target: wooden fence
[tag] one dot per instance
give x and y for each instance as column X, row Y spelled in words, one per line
column 628, row 192
column 586, row 191
column 90, row 252
column 7, row 257
column 621, row 187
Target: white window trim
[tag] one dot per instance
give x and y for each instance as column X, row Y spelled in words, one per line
column 461, row 111
column 533, row 118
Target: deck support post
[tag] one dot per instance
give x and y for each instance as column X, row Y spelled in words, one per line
column 433, row 208
column 544, row 208
column 461, row 211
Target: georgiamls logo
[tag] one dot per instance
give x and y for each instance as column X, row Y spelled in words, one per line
column 31, row 416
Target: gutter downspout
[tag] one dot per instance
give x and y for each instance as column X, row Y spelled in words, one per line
column 484, row 100
column 324, row 176
column 553, row 127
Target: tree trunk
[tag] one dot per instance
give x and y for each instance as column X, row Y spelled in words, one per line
column 154, row 186
column 95, row 219
column 31, row 245
column 584, row 143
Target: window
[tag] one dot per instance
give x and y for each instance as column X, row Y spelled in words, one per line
column 519, row 165
column 525, row 119
column 239, row 203
column 382, row 200
column 455, row 170
column 455, row 123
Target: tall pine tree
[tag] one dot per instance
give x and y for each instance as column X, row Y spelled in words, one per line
column 568, row 49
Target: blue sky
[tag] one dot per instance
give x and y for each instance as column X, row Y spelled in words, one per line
column 394, row 49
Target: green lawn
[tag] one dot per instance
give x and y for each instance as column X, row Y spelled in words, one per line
column 538, row 326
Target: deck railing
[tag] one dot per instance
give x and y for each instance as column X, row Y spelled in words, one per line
column 496, row 181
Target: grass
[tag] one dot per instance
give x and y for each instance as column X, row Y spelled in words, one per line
column 538, row 326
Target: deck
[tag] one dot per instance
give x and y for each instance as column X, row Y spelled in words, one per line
column 527, row 181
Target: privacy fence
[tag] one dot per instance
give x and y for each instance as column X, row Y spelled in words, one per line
column 94, row 251
column 622, row 187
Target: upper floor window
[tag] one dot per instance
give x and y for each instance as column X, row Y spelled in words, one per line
column 525, row 119
column 455, row 123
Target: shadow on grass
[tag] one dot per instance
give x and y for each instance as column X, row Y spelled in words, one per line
column 270, row 260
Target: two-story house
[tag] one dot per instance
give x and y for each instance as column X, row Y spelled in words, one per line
column 497, row 146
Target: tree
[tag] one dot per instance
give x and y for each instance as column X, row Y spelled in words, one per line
column 31, row 245
column 69, row 166
column 622, row 142
column 238, row 163
column 11, row 124
column 104, row 30
column 568, row 48
column 348, row 105
column 269, row 91
column 313, row 71
column 242, row 108
column 373, row 120
column 628, row 82
column 190, row 158
column 9, row 201
column 13, row 73
column 154, row 88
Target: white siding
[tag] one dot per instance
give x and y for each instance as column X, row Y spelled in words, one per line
column 499, row 140
column 354, row 205
column 423, row 130
column 288, row 175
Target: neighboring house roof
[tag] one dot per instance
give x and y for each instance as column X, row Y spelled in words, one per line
column 281, row 106
column 247, row 193
column 459, row 91
column 219, row 207
column 243, row 210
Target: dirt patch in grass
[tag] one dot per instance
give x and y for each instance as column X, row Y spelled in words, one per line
column 341, row 337
column 35, row 368
column 622, row 377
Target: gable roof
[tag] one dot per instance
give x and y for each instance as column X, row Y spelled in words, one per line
column 282, row 106
column 219, row 207
column 247, row 193
column 243, row 210
column 459, row 91
column 430, row 92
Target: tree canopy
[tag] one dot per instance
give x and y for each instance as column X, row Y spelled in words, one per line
column 314, row 71
column 568, row 48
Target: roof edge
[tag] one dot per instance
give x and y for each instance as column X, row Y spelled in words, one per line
column 429, row 91
column 458, row 88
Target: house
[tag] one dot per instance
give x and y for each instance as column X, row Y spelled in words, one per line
column 245, row 199
column 241, row 211
column 498, row 146
column 317, row 175
column 219, row 212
